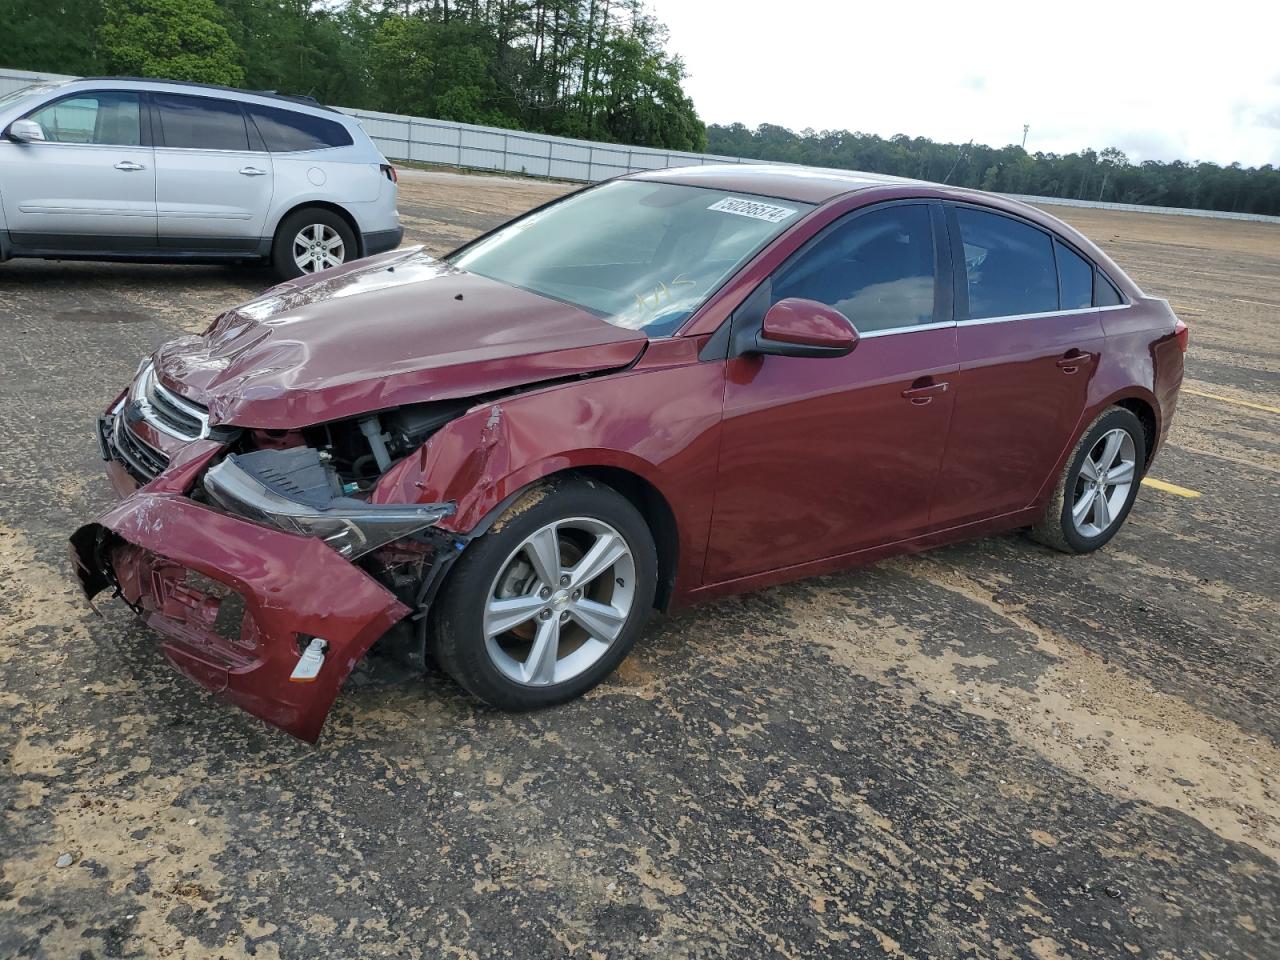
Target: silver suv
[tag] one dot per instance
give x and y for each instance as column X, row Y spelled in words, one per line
column 124, row 169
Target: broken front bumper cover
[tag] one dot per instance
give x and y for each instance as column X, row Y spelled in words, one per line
column 187, row 570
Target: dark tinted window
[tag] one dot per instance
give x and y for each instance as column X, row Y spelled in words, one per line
column 1105, row 293
column 876, row 269
column 1075, row 278
column 201, row 122
column 108, row 118
column 1009, row 266
column 286, row 130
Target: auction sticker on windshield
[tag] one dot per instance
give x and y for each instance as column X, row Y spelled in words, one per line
column 753, row 209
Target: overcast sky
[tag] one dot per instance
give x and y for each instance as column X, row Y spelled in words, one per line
column 1157, row 80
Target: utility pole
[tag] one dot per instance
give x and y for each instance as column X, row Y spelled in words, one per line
column 1025, row 128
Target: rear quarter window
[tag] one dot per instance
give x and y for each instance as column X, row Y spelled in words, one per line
column 1105, row 293
column 287, row 131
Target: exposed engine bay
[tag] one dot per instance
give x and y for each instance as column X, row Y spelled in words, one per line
column 316, row 482
column 354, row 453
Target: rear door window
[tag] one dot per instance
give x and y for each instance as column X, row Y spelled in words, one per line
column 286, row 131
column 201, row 123
column 1009, row 266
column 1075, row 278
column 876, row 268
column 105, row 118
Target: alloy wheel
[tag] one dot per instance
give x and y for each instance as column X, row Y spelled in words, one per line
column 559, row 601
column 1102, row 485
column 318, row 246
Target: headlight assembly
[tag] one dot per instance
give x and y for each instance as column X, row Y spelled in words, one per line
column 352, row 527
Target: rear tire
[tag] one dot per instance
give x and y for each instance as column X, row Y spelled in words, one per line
column 310, row 240
column 1098, row 485
column 547, row 603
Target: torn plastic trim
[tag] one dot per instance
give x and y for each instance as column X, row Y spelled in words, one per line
column 293, row 589
column 351, row 527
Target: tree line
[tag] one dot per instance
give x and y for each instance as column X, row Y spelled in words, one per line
column 595, row 69
column 1088, row 175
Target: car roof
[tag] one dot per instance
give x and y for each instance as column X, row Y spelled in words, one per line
column 784, row 181
column 819, row 185
column 293, row 100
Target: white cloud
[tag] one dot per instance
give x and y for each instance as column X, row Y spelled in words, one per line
column 1157, row 81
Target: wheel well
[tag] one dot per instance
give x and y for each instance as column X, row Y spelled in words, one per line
column 657, row 513
column 332, row 208
column 1147, row 417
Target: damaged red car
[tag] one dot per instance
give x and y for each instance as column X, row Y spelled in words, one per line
column 664, row 388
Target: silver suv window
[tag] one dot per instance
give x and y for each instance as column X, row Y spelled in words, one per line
column 285, row 131
column 107, row 118
column 201, row 123
column 31, row 90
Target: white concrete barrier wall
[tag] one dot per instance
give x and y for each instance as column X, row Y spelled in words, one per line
column 535, row 154
column 402, row 137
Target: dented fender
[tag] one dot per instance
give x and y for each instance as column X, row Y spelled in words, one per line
column 495, row 450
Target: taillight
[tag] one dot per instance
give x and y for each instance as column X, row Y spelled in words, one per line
column 1182, row 334
column 389, row 172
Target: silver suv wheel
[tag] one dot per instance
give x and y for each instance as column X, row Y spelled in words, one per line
column 317, row 246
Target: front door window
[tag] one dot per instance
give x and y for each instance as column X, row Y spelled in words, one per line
column 877, row 269
column 112, row 119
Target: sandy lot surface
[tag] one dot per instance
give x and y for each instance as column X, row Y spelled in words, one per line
column 991, row 750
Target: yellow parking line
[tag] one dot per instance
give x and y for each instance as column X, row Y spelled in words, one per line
column 1155, row 484
column 1240, row 403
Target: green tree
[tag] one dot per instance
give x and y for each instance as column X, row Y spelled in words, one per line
column 176, row 39
column 303, row 47
column 57, row 37
column 1086, row 175
column 435, row 68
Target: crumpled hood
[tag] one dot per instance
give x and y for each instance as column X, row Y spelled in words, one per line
column 394, row 329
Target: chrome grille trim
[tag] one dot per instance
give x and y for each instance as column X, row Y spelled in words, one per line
column 142, row 461
column 166, row 411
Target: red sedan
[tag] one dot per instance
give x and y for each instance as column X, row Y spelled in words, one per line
column 667, row 387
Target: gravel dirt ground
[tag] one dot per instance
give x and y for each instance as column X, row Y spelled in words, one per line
column 991, row 750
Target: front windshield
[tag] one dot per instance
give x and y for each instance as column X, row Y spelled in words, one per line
column 9, row 99
column 641, row 255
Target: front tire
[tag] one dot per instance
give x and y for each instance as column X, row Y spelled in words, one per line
column 547, row 603
column 310, row 240
column 1098, row 485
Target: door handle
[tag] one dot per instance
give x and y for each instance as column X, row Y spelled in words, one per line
column 1073, row 360
column 129, row 165
column 924, row 390
column 252, row 172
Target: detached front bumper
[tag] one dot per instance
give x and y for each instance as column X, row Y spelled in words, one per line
column 237, row 603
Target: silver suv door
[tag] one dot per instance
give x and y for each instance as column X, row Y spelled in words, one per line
column 213, row 183
column 90, row 185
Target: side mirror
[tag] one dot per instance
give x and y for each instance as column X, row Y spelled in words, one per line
column 805, row 328
column 25, row 131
